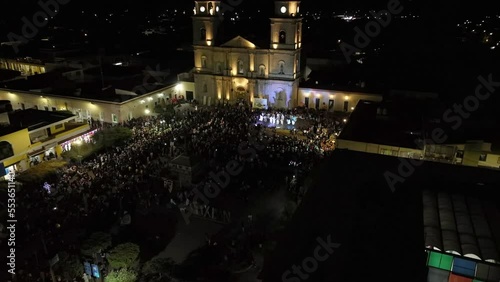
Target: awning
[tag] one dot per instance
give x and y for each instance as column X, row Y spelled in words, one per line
column 36, row 152
column 71, row 138
column 49, row 146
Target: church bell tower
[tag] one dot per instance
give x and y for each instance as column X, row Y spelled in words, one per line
column 286, row 26
column 206, row 21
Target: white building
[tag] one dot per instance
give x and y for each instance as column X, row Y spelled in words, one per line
column 117, row 110
column 238, row 70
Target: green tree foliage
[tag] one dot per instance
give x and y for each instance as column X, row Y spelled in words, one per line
column 123, row 256
column 41, row 172
column 69, row 265
column 122, row 275
column 159, row 267
column 113, row 136
column 98, row 241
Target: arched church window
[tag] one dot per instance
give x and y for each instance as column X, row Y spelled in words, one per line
column 282, row 39
column 203, row 34
column 282, row 67
column 203, row 61
column 210, row 8
column 240, row 67
column 262, row 70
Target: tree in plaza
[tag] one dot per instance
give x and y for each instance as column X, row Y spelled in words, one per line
column 69, row 265
column 115, row 135
column 123, row 255
column 98, row 241
column 158, row 267
column 121, row 275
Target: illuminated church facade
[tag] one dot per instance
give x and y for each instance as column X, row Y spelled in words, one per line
column 238, row 70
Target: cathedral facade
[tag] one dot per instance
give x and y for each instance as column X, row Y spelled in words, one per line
column 238, row 70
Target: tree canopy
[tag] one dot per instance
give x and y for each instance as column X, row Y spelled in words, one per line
column 98, row 241
column 122, row 275
column 115, row 135
column 123, row 255
column 158, row 267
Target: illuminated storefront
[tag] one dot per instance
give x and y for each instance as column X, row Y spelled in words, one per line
column 84, row 138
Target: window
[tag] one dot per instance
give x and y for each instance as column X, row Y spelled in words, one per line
column 46, row 108
column 219, row 67
column 306, row 102
column 6, row 150
column 203, row 62
column 346, row 106
column 54, row 109
column 35, row 107
column 262, row 70
column 240, row 67
column 23, row 106
column 282, row 37
column 58, row 126
column 114, row 118
column 331, row 104
column 203, row 34
column 101, row 116
column 482, row 157
column 282, row 67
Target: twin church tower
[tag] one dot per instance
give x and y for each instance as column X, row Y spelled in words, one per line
column 238, row 70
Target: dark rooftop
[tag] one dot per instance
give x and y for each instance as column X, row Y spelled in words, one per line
column 8, row 129
column 401, row 125
column 53, row 83
column 33, row 119
column 380, row 232
column 339, row 79
column 408, row 120
column 8, row 74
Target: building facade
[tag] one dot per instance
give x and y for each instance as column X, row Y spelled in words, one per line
column 238, row 70
column 333, row 100
column 23, row 147
column 98, row 110
column 26, row 66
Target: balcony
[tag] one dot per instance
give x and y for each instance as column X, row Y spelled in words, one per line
column 70, row 129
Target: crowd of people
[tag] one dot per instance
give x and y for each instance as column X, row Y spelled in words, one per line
column 113, row 181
